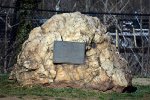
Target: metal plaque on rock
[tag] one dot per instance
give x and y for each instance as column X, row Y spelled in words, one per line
column 68, row 52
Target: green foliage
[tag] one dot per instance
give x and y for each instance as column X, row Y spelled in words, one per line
column 25, row 23
column 12, row 88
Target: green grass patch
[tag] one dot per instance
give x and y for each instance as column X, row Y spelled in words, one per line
column 12, row 88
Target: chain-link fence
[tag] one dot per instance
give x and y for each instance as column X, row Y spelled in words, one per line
column 130, row 34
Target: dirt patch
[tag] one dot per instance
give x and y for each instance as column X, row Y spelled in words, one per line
column 38, row 98
column 141, row 81
column 146, row 97
column 21, row 98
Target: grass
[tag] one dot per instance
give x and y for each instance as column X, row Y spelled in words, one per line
column 12, row 88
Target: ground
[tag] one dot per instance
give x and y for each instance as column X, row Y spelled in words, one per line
column 141, row 81
column 10, row 90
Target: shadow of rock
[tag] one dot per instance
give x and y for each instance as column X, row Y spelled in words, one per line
column 129, row 89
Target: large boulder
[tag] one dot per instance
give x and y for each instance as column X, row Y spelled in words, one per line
column 104, row 68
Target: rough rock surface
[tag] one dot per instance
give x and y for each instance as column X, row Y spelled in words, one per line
column 104, row 68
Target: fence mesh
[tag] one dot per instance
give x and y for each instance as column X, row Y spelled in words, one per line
column 130, row 34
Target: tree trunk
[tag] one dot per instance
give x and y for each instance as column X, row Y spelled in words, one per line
column 4, row 70
column 105, row 10
column 15, row 21
column 57, row 7
column 88, row 5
